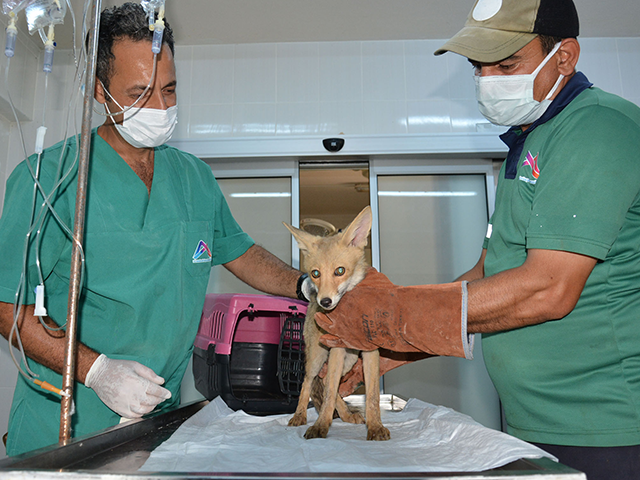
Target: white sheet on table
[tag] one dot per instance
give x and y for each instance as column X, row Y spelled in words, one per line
column 424, row 438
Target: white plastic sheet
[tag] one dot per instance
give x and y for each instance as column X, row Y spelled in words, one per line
column 424, row 438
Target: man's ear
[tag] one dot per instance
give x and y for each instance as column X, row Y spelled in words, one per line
column 98, row 93
column 569, row 54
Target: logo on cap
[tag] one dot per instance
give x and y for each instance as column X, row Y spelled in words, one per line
column 485, row 9
column 202, row 253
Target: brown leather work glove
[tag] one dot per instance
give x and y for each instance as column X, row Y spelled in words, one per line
column 378, row 314
column 354, row 378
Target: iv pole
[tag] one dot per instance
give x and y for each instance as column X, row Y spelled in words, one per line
column 68, row 371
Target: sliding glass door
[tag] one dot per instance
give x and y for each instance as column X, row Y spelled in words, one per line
column 431, row 224
column 259, row 205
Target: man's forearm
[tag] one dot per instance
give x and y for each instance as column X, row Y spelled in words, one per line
column 265, row 272
column 546, row 287
column 45, row 346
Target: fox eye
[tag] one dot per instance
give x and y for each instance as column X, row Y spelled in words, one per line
column 339, row 271
column 315, row 273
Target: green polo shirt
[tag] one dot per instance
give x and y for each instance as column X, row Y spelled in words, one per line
column 147, row 263
column 575, row 380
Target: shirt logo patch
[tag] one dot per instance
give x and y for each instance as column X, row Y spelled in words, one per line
column 202, row 253
column 531, row 161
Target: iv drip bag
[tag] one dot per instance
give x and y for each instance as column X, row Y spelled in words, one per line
column 150, row 6
column 42, row 13
column 14, row 6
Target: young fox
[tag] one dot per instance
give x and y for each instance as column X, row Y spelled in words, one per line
column 336, row 264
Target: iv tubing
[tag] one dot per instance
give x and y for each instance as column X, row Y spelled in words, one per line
column 45, row 208
column 51, row 388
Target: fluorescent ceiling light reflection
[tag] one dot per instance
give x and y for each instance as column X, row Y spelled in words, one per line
column 261, row 195
column 386, row 193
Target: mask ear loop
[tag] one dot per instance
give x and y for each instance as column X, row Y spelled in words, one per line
column 125, row 109
column 541, row 66
column 555, row 87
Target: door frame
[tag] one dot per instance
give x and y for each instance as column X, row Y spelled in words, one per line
column 418, row 166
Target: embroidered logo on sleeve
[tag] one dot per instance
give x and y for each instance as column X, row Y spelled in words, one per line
column 532, row 162
column 202, row 253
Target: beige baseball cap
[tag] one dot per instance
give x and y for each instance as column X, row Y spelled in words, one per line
column 496, row 29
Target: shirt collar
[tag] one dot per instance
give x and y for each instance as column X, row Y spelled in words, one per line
column 514, row 138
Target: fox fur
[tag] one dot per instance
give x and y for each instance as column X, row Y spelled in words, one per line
column 335, row 264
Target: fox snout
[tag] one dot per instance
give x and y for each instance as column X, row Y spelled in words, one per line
column 326, row 303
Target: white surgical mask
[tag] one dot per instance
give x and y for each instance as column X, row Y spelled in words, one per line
column 146, row 127
column 508, row 99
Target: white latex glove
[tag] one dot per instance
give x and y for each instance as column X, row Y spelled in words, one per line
column 128, row 388
column 308, row 288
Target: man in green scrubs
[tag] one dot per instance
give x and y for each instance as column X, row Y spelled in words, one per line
column 156, row 221
column 556, row 293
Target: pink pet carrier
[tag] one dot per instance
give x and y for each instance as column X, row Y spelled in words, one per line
column 249, row 350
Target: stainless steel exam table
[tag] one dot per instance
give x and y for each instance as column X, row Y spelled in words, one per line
column 118, row 452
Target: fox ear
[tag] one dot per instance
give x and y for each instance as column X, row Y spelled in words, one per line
column 355, row 235
column 304, row 239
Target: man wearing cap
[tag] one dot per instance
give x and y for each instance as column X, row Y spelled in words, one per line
column 556, row 292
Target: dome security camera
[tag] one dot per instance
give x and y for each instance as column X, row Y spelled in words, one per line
column 333, row 144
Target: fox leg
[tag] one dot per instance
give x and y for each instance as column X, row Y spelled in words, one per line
column 342, row 409
column 345, row 413
column 300, row 416
column 316, row 355
column 371, row 366
column 331, row 384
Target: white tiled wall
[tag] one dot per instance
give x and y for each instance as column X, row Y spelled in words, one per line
column 360, row 88
column 370, row 88
column 320, row 88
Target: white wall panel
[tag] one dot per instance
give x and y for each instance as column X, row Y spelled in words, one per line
column 255, row 73
column 427, row 77
column 383, row 74
column 599, row 61
column 340, row 71
column 297, row 78
column 629, row 59
column 212, row 81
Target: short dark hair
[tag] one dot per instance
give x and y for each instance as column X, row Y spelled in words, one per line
column 126, row 21
column 548, row 42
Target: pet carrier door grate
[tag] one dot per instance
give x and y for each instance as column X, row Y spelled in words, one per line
column 291, row 355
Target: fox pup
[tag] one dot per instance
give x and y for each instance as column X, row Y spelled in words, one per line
column 336, row 264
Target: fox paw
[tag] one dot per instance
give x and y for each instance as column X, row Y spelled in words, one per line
column 316, row 431
column 298, row 420
column 378, row 433
column 354, row 417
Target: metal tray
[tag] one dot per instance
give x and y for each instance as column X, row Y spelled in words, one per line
column 118, row 452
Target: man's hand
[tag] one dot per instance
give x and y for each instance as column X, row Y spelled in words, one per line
column 128, row 388
column 378, row 314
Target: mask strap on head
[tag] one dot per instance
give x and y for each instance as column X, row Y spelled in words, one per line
column 111, row 97
column 124, row 109
column 547, row 58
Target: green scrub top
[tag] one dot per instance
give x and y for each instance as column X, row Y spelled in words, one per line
column 147, row 264
column 575, row 380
